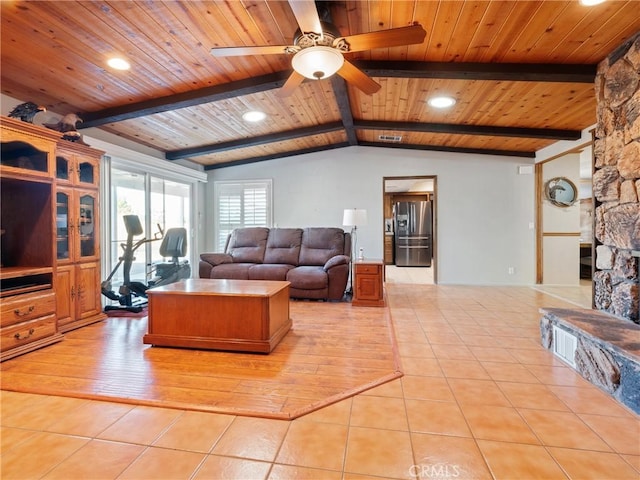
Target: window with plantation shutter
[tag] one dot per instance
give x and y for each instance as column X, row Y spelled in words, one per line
column 241, row 204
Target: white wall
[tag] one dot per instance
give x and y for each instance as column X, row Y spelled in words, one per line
column 484, row 207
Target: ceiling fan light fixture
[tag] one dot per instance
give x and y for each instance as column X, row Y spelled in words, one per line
column 254, row 116
column 317, row 62
column 442, row 102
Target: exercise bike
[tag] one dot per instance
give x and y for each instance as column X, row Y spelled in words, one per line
column 132, row 295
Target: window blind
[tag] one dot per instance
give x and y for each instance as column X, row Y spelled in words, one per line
column 241, row 204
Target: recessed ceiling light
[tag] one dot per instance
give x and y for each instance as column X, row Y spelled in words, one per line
column 118, row 63
column 591, row 3
column 254, row 116
column 442, row 102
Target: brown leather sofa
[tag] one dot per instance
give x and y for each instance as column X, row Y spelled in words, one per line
column 314, row 260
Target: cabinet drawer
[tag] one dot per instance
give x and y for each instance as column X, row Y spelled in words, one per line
column 27, row 332
column 27, row 307
column 370, row 269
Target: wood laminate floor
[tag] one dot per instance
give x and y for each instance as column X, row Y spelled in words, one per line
column 333, row 351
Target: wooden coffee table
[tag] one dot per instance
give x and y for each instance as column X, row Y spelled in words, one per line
column 238, row 315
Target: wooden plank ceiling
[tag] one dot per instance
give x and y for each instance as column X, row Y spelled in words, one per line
column 522, row 73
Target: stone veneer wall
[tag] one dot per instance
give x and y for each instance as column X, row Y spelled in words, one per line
column 616, row 182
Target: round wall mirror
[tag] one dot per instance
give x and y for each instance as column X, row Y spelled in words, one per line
column 561, row 192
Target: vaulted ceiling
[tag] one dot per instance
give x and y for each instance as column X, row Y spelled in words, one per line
column 522, row 73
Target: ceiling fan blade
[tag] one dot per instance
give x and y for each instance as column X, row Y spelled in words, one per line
column 357, row 77
column 306, row 15
column 294, row 80
column 239, row 51
column 396, row 37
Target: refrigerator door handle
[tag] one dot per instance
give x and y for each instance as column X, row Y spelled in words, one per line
column 414, row 238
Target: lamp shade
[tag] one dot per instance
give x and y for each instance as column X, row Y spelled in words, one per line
column 317, row 62
column 354, row 217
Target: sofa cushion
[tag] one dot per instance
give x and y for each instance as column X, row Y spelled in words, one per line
column 274, row 271
column 247, row 245
column 283, row 246
column 320, row 244
column 232, row 271
column 308, row 278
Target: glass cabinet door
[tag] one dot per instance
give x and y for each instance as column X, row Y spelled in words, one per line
column 63, row 239
column 87, row 224
column 87, row 171
column 25, row 156
column 63, row 168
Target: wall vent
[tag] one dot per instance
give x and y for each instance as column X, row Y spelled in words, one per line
column 564, row 345
column 390, row 138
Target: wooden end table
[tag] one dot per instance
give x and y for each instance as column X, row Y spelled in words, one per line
column 238, row 315
column 368, row 287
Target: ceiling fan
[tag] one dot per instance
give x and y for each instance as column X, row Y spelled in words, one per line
column 318, row 49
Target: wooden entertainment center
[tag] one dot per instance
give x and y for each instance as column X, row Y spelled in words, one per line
column 49, row 220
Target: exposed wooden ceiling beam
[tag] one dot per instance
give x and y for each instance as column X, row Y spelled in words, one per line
column 441, row 148
column 552, row 134
column 184, row 99
column 517, row 72
column 435, row 148
column 274, row 156
column 253, row 141
column 519, row 132
column 344, row 105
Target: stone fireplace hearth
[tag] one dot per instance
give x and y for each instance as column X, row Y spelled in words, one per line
column 607, row 349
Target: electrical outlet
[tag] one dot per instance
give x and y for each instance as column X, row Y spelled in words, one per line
column 512, row 270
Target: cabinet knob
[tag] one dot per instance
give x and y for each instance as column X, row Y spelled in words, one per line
column 73, row 292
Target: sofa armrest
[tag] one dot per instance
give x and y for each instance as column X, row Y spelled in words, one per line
column 334, row 261
column 210, row 260
column 216, row 258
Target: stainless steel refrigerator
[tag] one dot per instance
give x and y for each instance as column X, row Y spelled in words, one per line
column 413, row 234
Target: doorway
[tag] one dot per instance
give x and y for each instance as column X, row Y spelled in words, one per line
column 565, row 239
column 421, row 192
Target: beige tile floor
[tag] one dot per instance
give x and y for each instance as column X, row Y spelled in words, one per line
column 413, row 275
column 480, row 399
column 580, row 295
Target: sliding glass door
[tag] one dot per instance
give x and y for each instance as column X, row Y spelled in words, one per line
column 170, row 207
column 127, row 198
column 159, row 204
